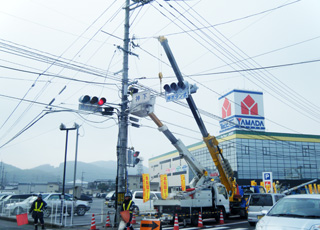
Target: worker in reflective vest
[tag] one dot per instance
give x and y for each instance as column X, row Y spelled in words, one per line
column 36, row 209
column 127, row 205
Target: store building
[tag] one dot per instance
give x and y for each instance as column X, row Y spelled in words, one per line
column 292, row 158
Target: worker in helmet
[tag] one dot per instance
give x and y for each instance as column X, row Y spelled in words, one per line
column 278, row 187
column 36, row 209
column 127, row 205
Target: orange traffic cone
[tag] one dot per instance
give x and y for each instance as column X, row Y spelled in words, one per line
column 200, row 224
column 221, row 218
column 93, row 222
column 133, row 221
column 176, row 223
column 108, row 221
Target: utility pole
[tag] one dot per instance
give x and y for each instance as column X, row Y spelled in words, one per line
column 121, row 185
column 123, row 122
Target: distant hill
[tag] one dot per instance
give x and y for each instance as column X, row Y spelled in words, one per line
column 99, row 170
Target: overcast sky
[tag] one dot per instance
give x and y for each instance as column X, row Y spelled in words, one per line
column 47, row 46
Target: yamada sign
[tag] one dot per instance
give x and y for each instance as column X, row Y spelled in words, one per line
column 242, row 109
column 242, row 122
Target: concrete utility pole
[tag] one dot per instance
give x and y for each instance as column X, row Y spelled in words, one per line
column 121, row 185
column 123, row 122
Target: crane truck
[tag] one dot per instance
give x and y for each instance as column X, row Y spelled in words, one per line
column 237, row 201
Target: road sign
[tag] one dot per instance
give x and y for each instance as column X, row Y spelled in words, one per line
column 142, row 104
column 150, row 224
column 267, row 180
column 140, row 98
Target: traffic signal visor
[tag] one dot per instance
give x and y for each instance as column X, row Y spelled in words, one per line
column 136, row 160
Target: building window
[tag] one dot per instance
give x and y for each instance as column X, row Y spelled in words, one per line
column 246, row 150
column 306, row 150
column 266, row 150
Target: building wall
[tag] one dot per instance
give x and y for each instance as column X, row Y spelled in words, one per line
column 52, row 188
column 290, row 157
column 287, row 156
column 170, row 164
column 24, row 188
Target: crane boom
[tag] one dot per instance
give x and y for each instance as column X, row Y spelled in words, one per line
column 222, row 165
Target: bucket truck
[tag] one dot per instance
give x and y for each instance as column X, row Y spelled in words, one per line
column 205, row 195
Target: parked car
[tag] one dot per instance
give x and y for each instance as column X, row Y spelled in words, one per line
column 53, row 201
column 103, row 195
column 2, row 196
column 19, row 207
column 144, row 207
column 293, row 212
column 14, row 198
column 110, row 199
column 85, row 198
column 259, row 202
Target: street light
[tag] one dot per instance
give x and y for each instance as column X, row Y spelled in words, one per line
column 63, row 128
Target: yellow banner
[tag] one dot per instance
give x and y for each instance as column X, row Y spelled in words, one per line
column 146, row 187
column 164, row 186
column 183, row 182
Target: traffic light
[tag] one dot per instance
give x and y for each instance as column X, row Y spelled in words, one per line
column 136, row 160
column 130, row 156
column 178, row 91
column 92, row 103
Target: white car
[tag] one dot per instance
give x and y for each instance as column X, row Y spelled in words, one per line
column 292, row 213
column 110, row 199
column 19, row 207
column 259, row 202
column 53, row 201
column 144, row 207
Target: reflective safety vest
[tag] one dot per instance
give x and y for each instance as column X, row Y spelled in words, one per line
column 129, row 205
column 36, row 207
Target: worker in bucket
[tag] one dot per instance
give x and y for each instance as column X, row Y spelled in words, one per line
column 36, row 209
column 126, row 213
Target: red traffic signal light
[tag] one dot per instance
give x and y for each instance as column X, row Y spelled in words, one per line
column 86, row 99
column 102, row 101
column 136, row 154
column 136, row 160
